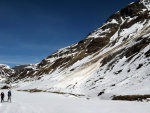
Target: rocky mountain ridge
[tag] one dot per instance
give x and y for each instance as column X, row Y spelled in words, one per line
column 95, row 41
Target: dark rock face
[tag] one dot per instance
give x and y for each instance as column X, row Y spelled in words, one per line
column 5, row 87
column 22, row 73
column 95, row 42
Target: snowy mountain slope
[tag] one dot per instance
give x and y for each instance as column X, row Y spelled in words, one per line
column 112, row 60
column 5, row 72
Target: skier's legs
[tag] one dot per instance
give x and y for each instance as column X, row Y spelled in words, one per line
column 9, row 98
column 2, row 100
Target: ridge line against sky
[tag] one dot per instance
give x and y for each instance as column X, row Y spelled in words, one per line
column 31, row 30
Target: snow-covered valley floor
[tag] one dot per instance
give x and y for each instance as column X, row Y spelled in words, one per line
column 24, row 102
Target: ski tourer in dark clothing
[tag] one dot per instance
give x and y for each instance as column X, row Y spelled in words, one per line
column 2, row 97
column 9, row 96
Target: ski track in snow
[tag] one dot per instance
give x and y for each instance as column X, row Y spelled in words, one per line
column 24, row 102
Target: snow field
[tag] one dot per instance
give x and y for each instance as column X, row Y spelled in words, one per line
column 24, row 102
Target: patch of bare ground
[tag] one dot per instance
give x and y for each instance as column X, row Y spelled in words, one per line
column 132, row 97
column 56, row 92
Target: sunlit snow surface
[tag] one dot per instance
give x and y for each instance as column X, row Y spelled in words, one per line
column 23, row 102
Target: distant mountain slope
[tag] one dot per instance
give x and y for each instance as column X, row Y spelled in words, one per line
column 19, row 67
column 5, row 72
column 112, row 60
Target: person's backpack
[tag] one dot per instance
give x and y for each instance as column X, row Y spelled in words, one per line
column 9, row 93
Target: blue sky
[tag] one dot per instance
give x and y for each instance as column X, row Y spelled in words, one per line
column 31, row 30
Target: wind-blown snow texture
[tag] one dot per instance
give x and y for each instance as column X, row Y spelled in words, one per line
column 112, row 60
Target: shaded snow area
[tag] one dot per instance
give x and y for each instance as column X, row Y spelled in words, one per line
column 24, row 102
